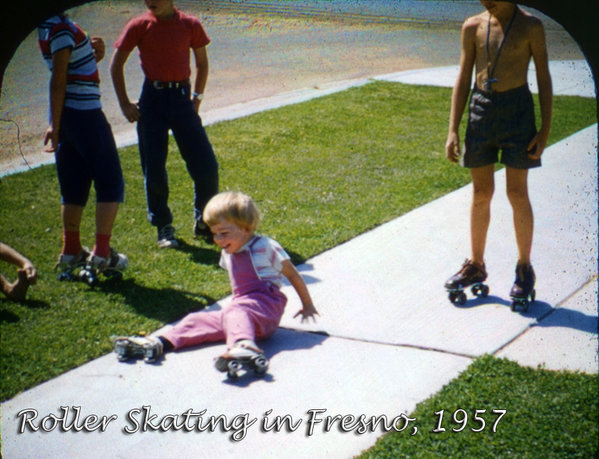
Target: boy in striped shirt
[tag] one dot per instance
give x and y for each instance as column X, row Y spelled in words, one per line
column 81, row 139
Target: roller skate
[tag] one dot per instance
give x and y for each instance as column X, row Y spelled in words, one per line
column 244, row 355
column 523, row 292
column 111, row 267
column 470, row 275
column 68, row 266
column 149, row 348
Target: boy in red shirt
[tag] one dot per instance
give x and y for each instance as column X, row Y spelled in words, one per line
column 164, row 35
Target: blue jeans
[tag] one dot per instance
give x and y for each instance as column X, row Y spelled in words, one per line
column 161, row 110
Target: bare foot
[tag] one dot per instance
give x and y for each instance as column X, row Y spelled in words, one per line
column 18, row 290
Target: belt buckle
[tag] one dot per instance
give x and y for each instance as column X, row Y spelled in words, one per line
column 157, row 84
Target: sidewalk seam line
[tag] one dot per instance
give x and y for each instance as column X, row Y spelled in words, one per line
column 384, row 343
column 544, row 316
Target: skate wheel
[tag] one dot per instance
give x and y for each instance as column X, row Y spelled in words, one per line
column 121, row 353
column 461, row 299
column 480, row 290
column 533, row 295
column 89, row 277
column 149, row 355
column 233, row 367
column 484, row 291
column 260, row 365
column 520, row 303
column 65, row 276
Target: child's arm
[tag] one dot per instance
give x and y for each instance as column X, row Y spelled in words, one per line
column 293, row 276
column 10, row 255
column 58, row 89
column 461, row 90
column 202, row 67
column 117, row 72
column 99, row 47
column 539, row 54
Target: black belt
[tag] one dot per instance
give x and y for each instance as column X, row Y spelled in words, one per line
column 168, row 84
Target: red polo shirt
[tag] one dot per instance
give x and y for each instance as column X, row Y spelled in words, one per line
column 163, row 44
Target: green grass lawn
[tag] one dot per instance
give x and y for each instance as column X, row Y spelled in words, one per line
column 545, row 414
column 322, row 172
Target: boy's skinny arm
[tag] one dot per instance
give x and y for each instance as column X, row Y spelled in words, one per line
column 202, row 69
column 461, row 88
column 460, row 92
column 117, row 72
column 539, row 54
column 58, row 85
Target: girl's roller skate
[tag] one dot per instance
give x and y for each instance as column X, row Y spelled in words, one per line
column 244, row 355
column 111, row 267
column 470, row 275
column 149, row 348
column 68, row 266
column 523, row 291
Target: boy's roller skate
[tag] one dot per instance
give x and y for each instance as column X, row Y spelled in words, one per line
column 470, row 275
column 149, row 348
column 244, row 355
column 523, row 291
column 111, row 267
column 68, row 266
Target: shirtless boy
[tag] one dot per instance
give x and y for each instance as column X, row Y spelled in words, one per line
column 498, row 44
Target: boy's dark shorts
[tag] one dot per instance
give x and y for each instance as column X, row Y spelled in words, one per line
column 87, row 153
column 500, row 120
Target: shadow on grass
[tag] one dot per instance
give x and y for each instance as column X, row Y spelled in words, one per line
column 7, row 316
column 202, row 255
column 163, row 304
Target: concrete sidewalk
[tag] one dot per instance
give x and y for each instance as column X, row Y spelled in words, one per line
column 388, row 338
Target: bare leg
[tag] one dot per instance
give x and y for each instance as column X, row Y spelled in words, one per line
column 71, row 217
column 105, row 216
column 483, row 185
column 517, row 192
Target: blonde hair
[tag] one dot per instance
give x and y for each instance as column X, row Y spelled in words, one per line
column 232, row 206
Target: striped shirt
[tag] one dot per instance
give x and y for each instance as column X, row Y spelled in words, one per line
column 83, row 79
column 267, row 257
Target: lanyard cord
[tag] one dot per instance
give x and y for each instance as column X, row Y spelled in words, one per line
column 490, row 78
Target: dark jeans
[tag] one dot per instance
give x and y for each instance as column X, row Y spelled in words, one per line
column 86, row 153
column 161, row 110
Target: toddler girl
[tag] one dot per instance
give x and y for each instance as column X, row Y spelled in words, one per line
column 256, row 266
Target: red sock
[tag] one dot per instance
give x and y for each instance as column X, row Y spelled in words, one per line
column 71, row 244
column 102, row 247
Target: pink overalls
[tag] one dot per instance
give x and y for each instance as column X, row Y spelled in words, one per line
column 254, row 312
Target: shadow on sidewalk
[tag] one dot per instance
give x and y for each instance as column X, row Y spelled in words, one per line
column 569, row 318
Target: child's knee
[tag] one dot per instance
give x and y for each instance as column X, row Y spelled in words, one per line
column 483, row 193
column 517, row 194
